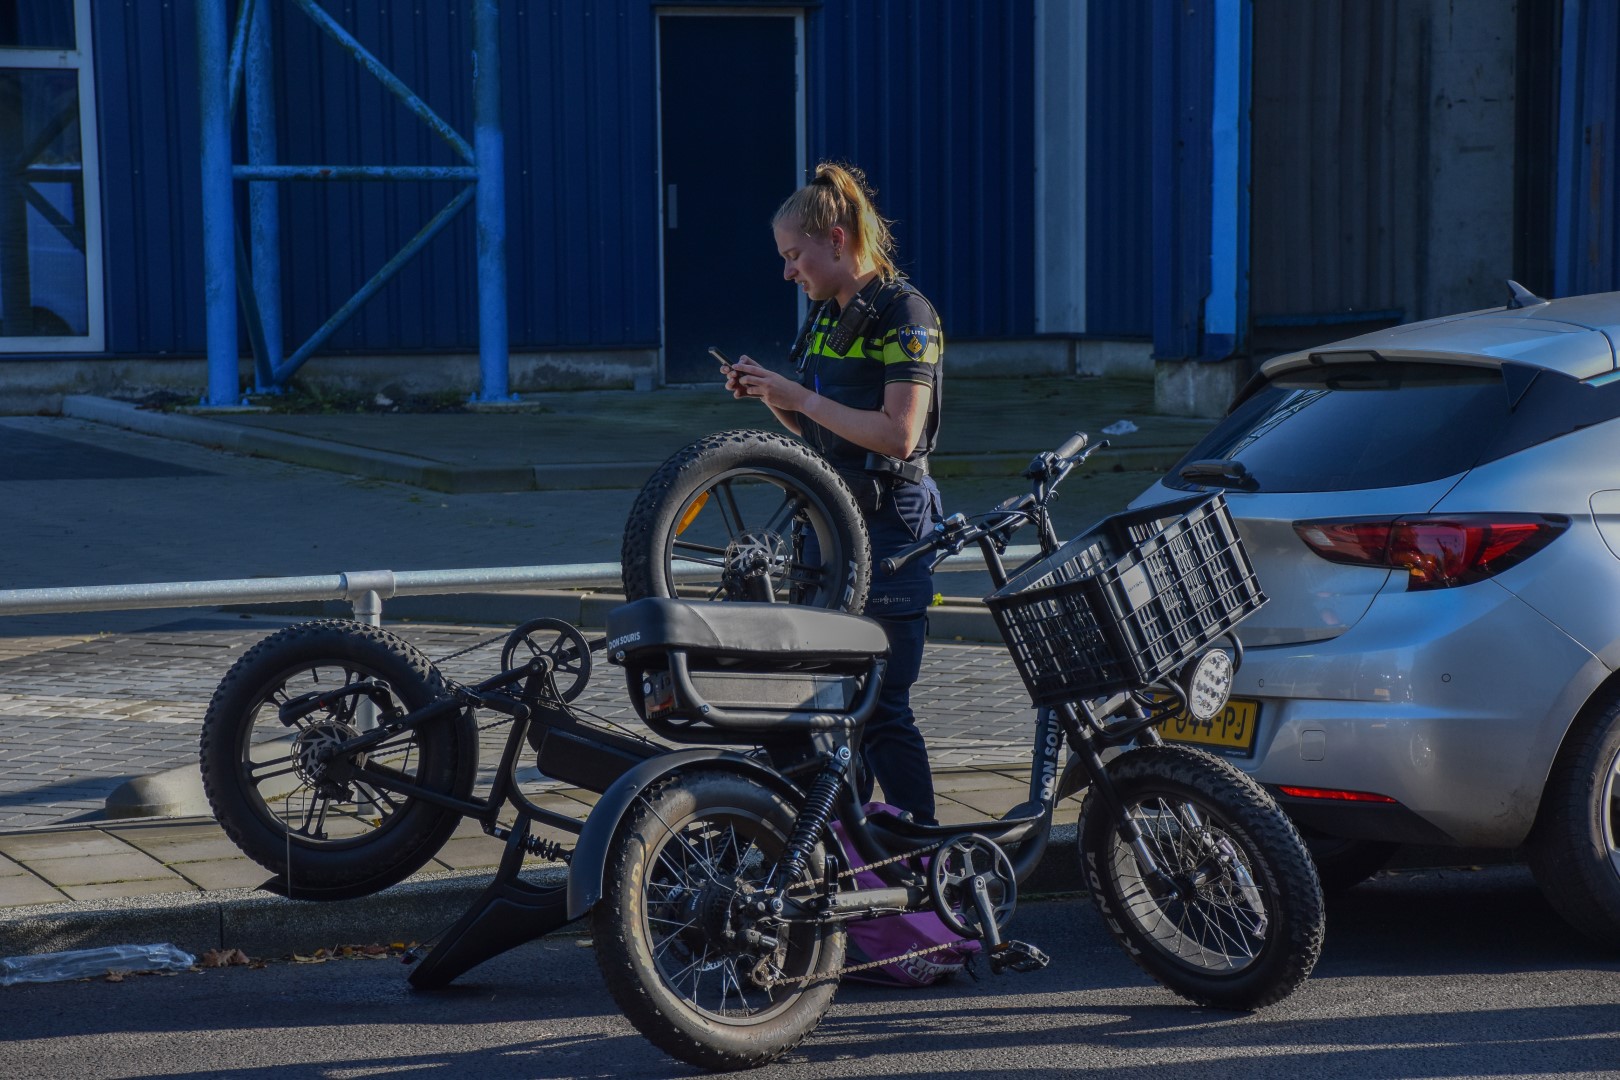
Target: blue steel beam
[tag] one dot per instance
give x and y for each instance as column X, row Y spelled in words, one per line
column 219, row 233
column 387, row 78
column 491, row 209
column 233, row 77
column 369, row 289
column 264, row 211
column 250, row 54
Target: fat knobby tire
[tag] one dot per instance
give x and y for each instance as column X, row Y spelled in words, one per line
column 447, row 761
column 1568, row 851
column 653, row 517
column 624, row 951
column 1278, row 857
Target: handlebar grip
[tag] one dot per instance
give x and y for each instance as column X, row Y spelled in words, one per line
column 907, row 554
column 1077, row 442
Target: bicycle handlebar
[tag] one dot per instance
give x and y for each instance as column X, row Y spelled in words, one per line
column 955, row 531
column 1076, row 443
column 909, row 553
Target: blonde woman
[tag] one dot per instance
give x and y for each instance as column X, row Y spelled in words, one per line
column 867, row 398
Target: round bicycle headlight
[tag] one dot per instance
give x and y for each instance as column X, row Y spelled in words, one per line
column 1208, row 681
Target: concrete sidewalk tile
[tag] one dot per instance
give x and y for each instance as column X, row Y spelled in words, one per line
column 185, row 850
column 29, row 848
column 951, row 812
column 988, row 802
column 210, row 874
column 139, row 832
column 10, row 869
column 471, row 853
column 126, row 890
column 99, row 869
column 27, row 889
column 972, row 780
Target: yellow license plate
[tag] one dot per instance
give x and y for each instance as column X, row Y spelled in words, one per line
column 1230, row 731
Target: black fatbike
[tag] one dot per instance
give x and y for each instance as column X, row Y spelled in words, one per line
column 341, row 759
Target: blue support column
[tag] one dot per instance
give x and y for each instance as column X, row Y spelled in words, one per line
column 489, row 154
column 263, row 205
column 1226, row 305
column 219, row 233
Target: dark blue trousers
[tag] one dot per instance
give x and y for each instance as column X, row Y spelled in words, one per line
column 892, row 749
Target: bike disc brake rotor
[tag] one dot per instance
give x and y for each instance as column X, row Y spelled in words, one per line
column 961, row 860
column 313, row 748
column 753, row 561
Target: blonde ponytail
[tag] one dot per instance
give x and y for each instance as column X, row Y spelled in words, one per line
column 839, row 195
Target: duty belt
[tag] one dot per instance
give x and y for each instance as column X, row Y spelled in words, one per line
column 912, row 472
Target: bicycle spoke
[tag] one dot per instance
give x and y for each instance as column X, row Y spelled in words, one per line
column 680, row 547
column 792, row 503
column 730, row 513
column 257, row 776
column 379, row 798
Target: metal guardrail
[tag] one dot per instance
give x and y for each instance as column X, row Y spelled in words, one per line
column 365, row 589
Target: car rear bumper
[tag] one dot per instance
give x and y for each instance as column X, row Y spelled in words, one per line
column 1438, row 701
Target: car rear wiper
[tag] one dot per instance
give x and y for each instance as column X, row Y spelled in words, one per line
column 1220, row 472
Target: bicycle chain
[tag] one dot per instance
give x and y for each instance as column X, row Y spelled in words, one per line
column 471, row 648
column 850, row 969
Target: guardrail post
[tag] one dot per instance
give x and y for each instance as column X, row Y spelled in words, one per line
column 364, row 591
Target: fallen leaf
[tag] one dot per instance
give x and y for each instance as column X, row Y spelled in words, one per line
column 317, row 959
column 116, row 975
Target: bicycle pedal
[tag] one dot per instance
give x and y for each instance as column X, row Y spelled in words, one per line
column 1018, row 956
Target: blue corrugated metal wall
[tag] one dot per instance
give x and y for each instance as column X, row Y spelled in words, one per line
column 146, row 78
column 1182, row 33
column 581, row 166
column 935, row 100
column 1119, row 170
column 938, row 108
column 1586, row 256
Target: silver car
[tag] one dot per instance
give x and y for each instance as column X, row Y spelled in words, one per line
column 1434, row 512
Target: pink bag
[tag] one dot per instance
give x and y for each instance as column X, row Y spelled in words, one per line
column 895, row 935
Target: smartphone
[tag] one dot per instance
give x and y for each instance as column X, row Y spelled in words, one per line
column 715, row 352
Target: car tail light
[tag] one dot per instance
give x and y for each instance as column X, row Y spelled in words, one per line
column 1332, row 793
column 1438, row 551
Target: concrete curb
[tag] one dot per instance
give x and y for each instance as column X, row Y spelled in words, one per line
column 264, row 924
column 257, row 922
column 465, row 479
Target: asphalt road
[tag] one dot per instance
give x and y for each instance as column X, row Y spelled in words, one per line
column 1426, row 974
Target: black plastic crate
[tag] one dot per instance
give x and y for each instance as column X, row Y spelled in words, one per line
column 1126, row 602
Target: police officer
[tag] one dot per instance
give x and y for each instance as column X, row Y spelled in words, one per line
column 867, row 397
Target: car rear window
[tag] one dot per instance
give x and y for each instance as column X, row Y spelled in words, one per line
column 1342, row 427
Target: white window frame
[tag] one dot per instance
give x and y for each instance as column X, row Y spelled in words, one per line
column 82, row 61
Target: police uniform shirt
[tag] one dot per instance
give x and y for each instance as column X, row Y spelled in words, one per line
column 901, row 343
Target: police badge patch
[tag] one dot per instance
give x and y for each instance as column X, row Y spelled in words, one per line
column 913, row 341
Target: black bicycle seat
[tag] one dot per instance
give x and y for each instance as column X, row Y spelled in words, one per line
column 773, row 633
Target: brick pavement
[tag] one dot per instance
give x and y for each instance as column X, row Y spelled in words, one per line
column 80, row 714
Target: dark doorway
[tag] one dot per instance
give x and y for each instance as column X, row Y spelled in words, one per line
column 729, row 106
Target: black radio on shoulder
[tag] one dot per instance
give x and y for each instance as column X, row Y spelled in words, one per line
column 852, row 323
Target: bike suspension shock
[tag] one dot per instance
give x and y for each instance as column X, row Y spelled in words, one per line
column 813, row 818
